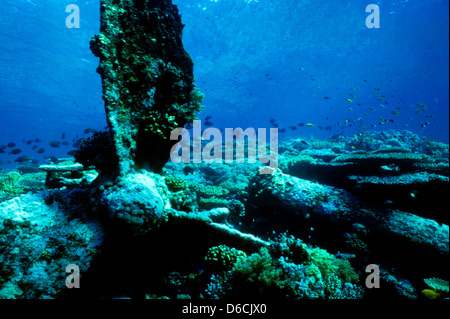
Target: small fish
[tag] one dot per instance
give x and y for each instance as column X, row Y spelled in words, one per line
column 208, row 123
column 37, row 140
column 282, row 130
column 395, row 112
column 208, row 118
column 309, row 125
column 65, row 143
column 350, row 109
column 359, row 227
column 22, row 159
column 293, row 127
column 40, row 151
column 29, row 142
column 54, row 144
column 2, row 151
column 301, row 124
column 431, row 293
column 326, row 97
column 421, row 105
column 272, row 121
column 11, row 144
column 349, row 100
column 372, row 108
column 15, row 151
column 275, row 124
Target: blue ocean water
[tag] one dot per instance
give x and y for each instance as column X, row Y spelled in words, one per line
column 255, row 60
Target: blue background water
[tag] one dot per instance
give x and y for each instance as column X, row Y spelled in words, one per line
column 290, row 60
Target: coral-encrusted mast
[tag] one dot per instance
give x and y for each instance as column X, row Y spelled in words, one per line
column 147, row 79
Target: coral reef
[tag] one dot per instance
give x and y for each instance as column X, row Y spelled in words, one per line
column 402, row 169
column 38, row 242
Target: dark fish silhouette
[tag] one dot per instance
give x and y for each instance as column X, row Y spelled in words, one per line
column 2, row 151
column 29, row 142
column 293, row 127
column 11, row 144
column 208, row 118
column 41, row 150
column 208, row 123
column 37, row 140
column 63, row 137
column 301, row 124
column 275, row 124
column 282, row 130
column 55, row 144
column 15, row 151
column 25, row 158
column 34, row 147
column 65, row 143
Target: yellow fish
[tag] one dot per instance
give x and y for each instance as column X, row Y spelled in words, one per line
column 310, row 125
column 350, row 109
column 431, row 294
column 349, row 100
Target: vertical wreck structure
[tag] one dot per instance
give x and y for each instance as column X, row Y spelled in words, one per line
column 147, row 79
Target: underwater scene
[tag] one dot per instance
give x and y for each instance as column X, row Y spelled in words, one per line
column 209, row 150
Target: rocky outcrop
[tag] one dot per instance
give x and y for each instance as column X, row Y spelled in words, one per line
column 147, row 79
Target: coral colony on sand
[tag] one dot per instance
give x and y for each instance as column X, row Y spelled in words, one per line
column 313, row 223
